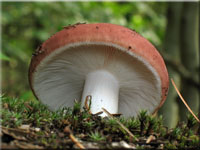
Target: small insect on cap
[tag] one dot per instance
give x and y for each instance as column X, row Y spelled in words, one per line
column 121, row 70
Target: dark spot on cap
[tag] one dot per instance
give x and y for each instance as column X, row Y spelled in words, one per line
column 38, row 51
column 129, row 47
column 133, row 30
column 154, row 57
column 97, row 27
column 165, row 89
column 39, row 48
column 70, row 26
column 73, row 25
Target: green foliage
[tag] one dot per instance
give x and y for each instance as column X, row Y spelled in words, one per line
column 132, row 123
column 191, row 121
column 143, row 120
column 4, row 57
column 16, row 112
column 96, row 136
column 170, row 146
column 88, row 124
column 176, row 133
column 112, row 122
column 76, row 108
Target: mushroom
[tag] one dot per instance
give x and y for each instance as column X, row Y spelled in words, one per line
column 120, row 69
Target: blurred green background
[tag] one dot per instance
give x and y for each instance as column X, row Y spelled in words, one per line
column 172, row 27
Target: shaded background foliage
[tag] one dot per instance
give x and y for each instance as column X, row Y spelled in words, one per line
column 25, row 25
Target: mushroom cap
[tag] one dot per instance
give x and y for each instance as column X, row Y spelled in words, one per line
column 59, row 66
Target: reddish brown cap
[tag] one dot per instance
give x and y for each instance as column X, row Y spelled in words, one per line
column 129, row 40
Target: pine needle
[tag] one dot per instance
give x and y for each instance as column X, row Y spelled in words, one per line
column 179, row 94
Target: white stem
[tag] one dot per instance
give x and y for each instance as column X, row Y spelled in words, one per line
column 104, row 89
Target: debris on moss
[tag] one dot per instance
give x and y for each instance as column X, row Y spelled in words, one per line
column 29, row 124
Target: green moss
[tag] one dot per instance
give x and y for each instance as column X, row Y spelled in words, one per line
column 16, row 112
column 170, row 146
column 96, row 136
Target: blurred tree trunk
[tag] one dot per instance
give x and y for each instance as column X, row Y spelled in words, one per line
column 189, row 55
column 172, row 47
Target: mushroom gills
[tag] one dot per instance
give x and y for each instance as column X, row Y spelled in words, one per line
column 121, row 81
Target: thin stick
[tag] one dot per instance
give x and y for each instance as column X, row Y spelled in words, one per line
column 28, row 106
column 150, row 138
column 89, row 97
column 98, row 113
column 72, row 137
column 179, row 94
column 125, row 128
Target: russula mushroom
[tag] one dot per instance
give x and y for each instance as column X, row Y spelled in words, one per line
column 120, row 69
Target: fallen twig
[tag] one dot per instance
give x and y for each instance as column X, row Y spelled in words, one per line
column 98, row 113
column 179, row 94
column 88, row 98
column 125, row 128
column 72, row 137
column 28, row 106
column 17, row 131
column 116, row 115
column 150, row 138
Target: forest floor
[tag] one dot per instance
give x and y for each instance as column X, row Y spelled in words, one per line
column 30, row 125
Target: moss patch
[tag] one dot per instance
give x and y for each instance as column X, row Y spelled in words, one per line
column 29, row 124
